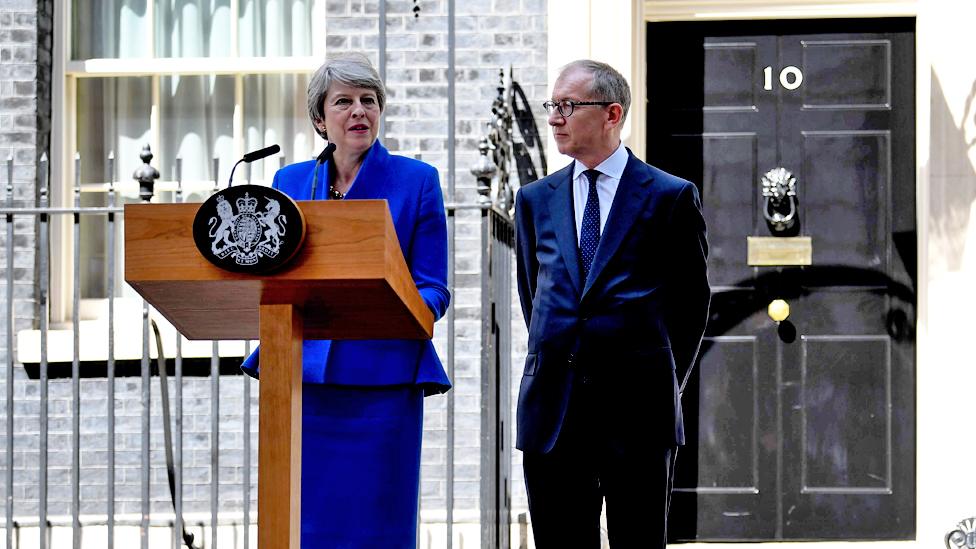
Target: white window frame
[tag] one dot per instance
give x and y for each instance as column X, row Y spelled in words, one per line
column 65, row 76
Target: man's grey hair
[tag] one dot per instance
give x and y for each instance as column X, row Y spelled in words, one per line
column 607, row 85
column 350, row 69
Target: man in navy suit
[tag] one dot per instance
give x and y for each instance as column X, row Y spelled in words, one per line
column 612, row 280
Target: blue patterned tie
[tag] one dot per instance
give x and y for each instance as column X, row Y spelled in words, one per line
column 590, row 229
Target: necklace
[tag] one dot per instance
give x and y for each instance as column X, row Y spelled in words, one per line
column 334, row 193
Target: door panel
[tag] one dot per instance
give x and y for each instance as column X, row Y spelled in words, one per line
column 727, row 453
column 737, row 60
column 846, row 74
column 802, row 429
column 846, row 439
column 726, row 179
column 732, row 452
column 848, row 447
column 846, row 201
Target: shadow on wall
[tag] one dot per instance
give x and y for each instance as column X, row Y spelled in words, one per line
column 952, row 183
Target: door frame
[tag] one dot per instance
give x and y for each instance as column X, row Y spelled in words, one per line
column 652, row 11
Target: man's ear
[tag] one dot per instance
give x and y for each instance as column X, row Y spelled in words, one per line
column 615, row 114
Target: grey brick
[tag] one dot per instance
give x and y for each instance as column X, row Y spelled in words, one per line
column 335, row 41
column 473, row 40
column 337, row 7
column 534, row 40
column 24, row 20
column 16, row 103
column 474, row 7
column 20, row 36
column 23, row 54
column 432, row 75
column 506, row 39
column 415, row 58
column 352, row 24
column 505, row 6
column 15, row 71
column 495, row 23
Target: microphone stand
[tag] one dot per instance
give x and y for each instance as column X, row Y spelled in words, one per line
column 251, row 157
column 322, row 158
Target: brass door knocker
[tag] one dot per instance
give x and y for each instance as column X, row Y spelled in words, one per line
column 779, row 192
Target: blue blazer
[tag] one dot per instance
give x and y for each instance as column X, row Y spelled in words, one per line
column 636, row 322
column 412, row 190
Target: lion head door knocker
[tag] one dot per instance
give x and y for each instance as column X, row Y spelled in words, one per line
column 963, row 537
column 779, row 194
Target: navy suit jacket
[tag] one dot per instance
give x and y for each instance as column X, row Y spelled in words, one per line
column 412, row 190
column 635, row 323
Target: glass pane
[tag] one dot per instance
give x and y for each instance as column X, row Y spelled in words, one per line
column 276, row 27
column 275, row 112
column 193, row 28
column 196, row 124
column 113, row 116
column 122, row 29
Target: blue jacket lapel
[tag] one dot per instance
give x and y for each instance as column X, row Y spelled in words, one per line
column 372, row 174
column 628, row 202
column 564, row 222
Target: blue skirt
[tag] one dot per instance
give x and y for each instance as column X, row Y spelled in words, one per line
column 360, row 466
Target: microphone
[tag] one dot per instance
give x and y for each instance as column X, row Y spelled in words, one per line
column 326, row 153
column 322, row 158
column 261, row 153
column 251, row 157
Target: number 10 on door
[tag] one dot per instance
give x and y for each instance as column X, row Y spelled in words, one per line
column 790, row 78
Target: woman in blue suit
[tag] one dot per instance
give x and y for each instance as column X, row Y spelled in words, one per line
column 362, row 401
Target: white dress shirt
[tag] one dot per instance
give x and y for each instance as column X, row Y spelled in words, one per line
column 611, row 170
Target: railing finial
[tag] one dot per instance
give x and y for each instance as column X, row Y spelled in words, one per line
column 146, row 175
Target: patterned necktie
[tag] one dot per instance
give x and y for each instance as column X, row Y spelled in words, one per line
column 590, row 228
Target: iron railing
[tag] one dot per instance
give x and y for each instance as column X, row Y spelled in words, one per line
column 113, row 423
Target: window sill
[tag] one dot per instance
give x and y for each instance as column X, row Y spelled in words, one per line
column 93, row 339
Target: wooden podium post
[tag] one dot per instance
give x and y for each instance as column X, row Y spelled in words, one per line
column 280, row 429
column 349, row 281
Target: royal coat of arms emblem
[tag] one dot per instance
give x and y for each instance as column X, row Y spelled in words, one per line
column 964, row 536
column 248, row 229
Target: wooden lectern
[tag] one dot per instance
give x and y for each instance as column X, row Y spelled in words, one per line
column 349, row 281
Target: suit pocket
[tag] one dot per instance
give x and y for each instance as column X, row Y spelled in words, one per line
column 531, row 362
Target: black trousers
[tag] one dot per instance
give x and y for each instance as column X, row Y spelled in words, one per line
column 593, row 460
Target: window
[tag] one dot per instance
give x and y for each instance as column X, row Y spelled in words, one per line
column 196, row 80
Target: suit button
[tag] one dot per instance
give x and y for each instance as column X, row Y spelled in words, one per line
column 571, row 360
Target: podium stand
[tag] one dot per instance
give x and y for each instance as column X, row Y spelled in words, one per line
column 348, row 281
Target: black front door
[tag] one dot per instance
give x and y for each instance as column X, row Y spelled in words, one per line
column 803, row 428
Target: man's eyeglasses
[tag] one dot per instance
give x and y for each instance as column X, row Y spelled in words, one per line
column 567, row 106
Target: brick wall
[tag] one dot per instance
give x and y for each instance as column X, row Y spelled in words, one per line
column 19, row 135
column 18, row 125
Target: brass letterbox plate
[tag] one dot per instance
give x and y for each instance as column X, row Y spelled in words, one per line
column 771, row 251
